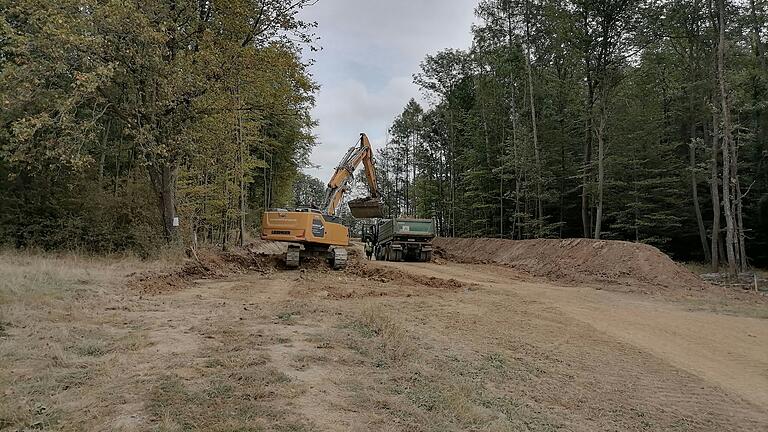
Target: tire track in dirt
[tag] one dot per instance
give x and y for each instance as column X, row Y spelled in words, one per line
column 728, row 351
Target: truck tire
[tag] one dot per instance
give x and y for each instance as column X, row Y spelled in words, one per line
column 426, row 256
column 397, row 256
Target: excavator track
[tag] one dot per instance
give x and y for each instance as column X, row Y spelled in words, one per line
column 293, row 257
column 338, row 258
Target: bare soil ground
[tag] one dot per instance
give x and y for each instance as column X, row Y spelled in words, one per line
column 238, row 344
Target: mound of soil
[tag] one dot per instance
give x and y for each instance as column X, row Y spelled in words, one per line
column 359, row 268
column 207, row 264
column 267, row 257
column 582, row 261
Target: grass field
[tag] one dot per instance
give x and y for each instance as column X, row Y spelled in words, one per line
column 387, row 346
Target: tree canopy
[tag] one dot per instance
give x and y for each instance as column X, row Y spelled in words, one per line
column 128, row 123
column 628, row 120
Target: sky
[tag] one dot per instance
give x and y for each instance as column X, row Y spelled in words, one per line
column 370, row 51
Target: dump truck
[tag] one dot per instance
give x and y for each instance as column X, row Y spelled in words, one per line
column 402, row 239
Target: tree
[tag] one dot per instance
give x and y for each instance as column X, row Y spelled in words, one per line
column 596, row 119
column 199, row 98
column 308, row 191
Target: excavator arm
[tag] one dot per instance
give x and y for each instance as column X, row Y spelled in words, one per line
column 338, row 186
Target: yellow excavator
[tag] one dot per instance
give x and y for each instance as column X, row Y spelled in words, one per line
column 319, row 232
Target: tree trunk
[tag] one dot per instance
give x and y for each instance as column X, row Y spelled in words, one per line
column 487, row 139
column 739, row 245
column 563, row 176
column 600, row 132
column 225, row 217
column 586, row 217
column 695, row 194
column 266, row 181
column 414, row 211
column 103, row 158
column 536, row 153
column 241, row 167
column 513, row 118
column 501, row 183
column 714, row 187
column 518, row 170
column 243, row 211
column 163, row 178
column 453, row 174
column 727, row 142
column 743, row 264
column 117, row 164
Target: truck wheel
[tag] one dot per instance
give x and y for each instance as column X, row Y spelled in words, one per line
column 398, row 256
column 426, row 256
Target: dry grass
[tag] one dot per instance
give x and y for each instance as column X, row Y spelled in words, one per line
column 697, row 267
column 395, row 344
column 55, row 334
column 80, row 351
column 33, row 276
column 229, row 399
column 407, row 384
column 702, row 268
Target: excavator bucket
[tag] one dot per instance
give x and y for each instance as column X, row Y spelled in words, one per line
column 366, row 208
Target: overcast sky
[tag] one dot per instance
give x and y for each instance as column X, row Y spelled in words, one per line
column 370, row 51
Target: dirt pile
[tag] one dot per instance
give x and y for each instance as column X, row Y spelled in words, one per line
column 575, row 260
column 207, row 264
column 364, row 280
column 361, row 269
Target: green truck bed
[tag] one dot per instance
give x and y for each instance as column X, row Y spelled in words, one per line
column 405, row 239
column 406, row 227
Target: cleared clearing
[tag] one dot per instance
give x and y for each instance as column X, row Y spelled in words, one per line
column 382, row 346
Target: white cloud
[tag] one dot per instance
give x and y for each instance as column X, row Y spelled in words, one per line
column 348, row 108
column 371, row 49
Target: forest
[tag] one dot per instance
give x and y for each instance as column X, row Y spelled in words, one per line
column 127, row 125
column 626, row 120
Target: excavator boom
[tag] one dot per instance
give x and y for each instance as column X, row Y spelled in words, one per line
column 338, row 186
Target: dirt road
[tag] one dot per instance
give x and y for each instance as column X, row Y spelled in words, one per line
column 729, row 351
column 382, row 346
